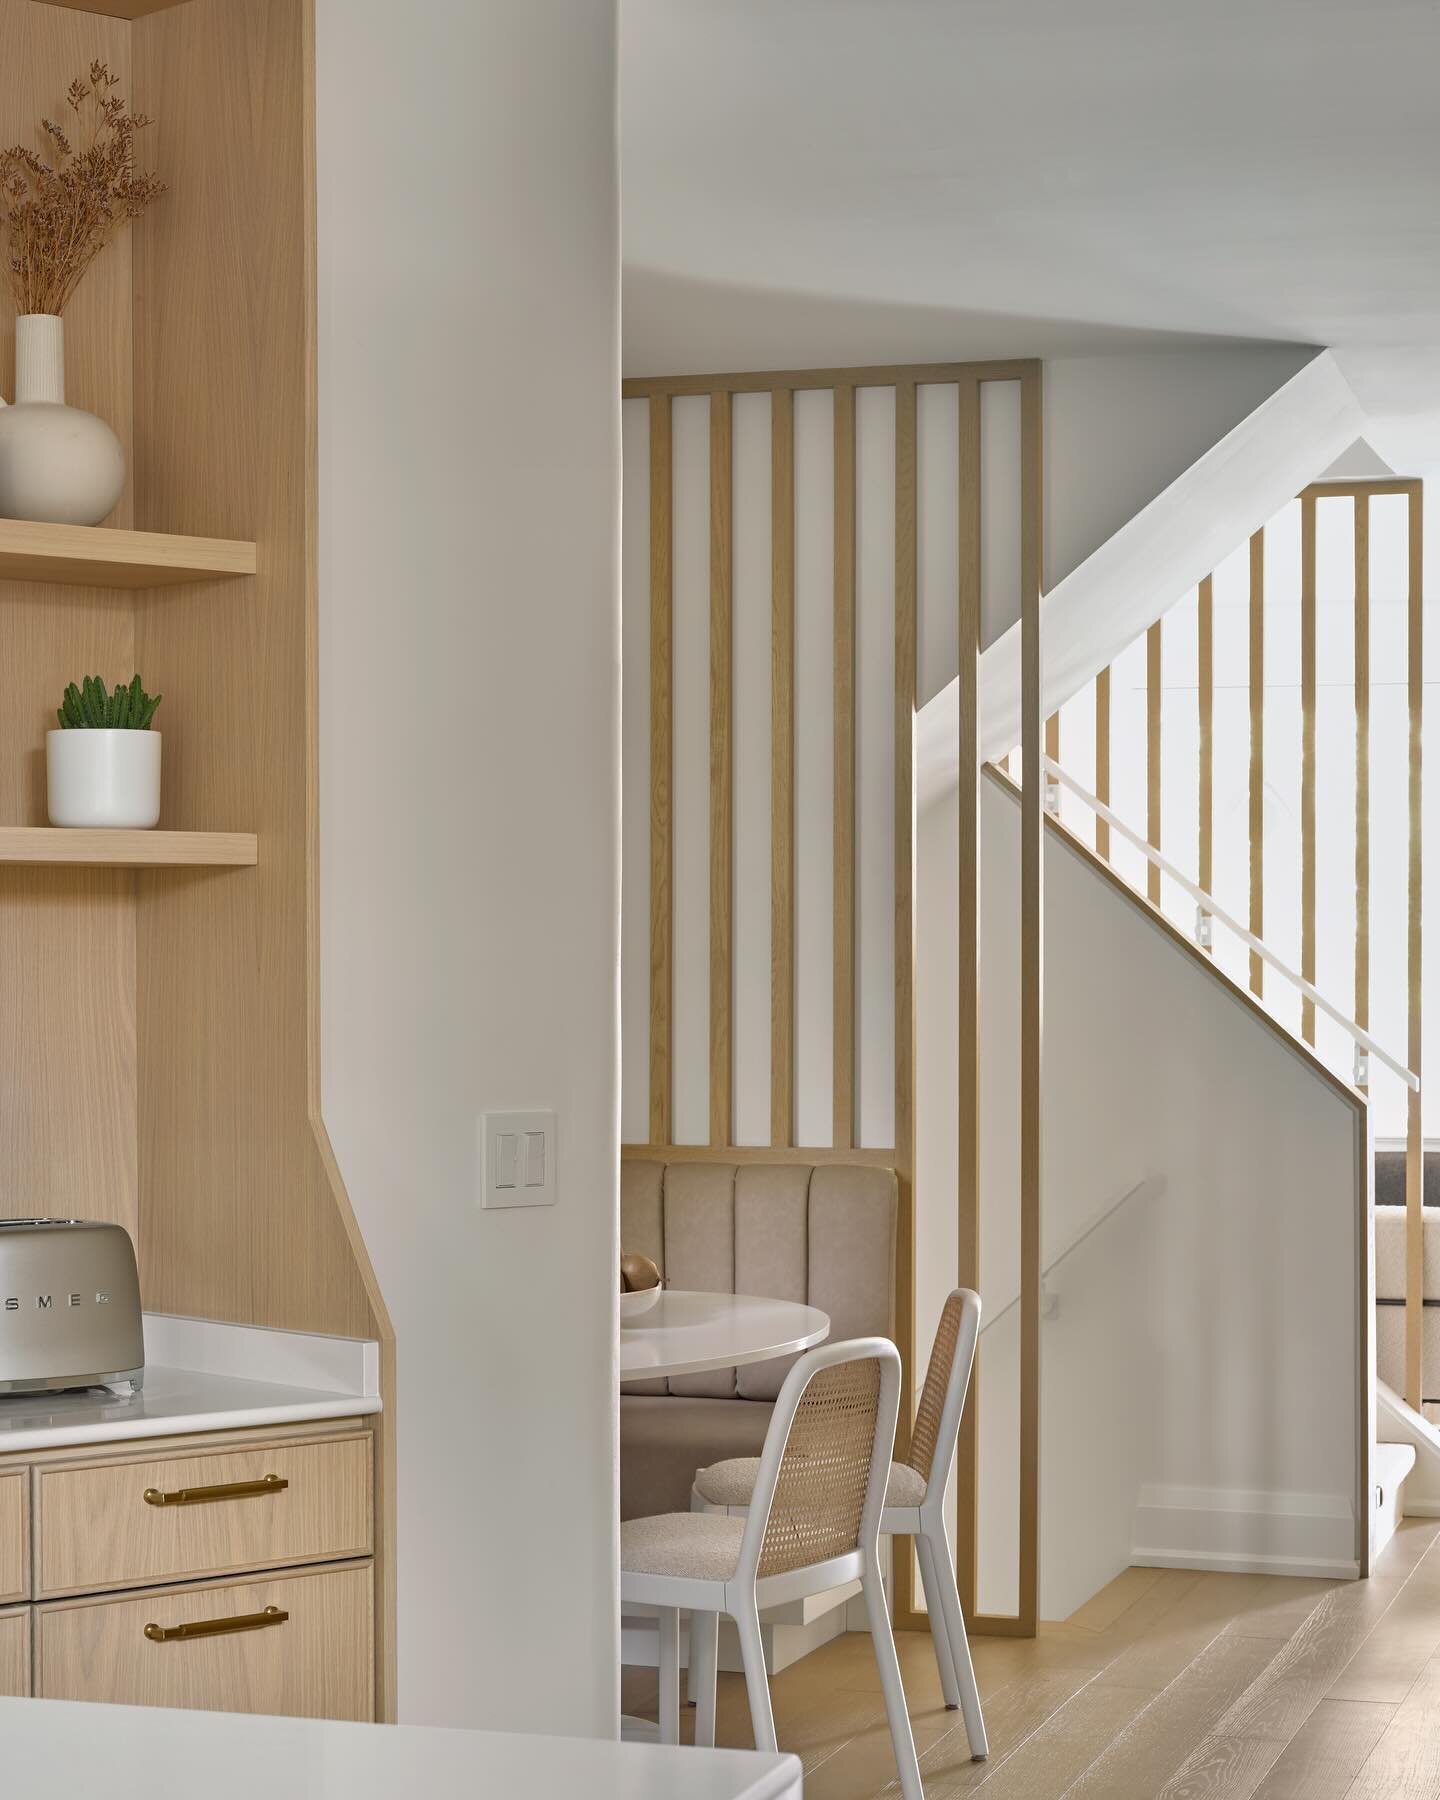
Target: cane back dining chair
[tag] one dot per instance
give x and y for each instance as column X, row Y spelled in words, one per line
column 813, row 1523
column 914, row 1503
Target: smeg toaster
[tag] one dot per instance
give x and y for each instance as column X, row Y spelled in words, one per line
column 69, row 1306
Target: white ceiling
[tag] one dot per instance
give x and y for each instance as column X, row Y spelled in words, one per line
column 815, row 180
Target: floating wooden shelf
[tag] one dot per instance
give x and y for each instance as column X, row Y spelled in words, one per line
column 96, row 556
column 115, row 9
column 127, row 849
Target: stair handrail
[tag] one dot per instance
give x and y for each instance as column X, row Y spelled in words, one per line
column 1148, row 1187
column 1212, row 906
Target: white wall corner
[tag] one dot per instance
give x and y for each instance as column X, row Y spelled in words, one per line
column 469, row 592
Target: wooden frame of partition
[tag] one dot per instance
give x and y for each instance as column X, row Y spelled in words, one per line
column 782, row 386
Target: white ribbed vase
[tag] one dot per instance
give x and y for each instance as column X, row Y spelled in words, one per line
column 57, row 463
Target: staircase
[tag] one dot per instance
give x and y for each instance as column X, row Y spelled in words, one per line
column 1251, row 765
column 1232, row 691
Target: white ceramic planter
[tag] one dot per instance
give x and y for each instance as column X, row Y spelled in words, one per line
column 57, row 463
column 105, row 778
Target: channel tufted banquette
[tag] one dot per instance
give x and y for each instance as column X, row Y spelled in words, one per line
column 823, row 1234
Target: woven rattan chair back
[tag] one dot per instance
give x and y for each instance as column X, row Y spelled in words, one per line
column 951, row 1355
column 926, row 1431
column 820, row 1490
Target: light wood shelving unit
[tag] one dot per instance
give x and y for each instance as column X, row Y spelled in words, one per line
column 98, row 556
column 159, row 990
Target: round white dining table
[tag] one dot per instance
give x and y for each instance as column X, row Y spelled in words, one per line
column 686, row 1333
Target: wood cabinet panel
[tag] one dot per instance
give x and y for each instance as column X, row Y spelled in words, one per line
column 96, row 1531
column 15, row 1653
column 317, row 1662
column 14, row 1536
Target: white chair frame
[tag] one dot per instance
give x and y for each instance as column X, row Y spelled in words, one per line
column 926, row 1524
column 742, row 1596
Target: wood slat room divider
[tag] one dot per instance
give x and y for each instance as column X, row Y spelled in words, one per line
column 847, row 852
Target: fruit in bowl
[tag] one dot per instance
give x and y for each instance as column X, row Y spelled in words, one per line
column 640, row 1285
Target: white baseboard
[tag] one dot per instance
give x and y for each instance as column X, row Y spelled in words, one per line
column 1337, row 1570
column 1245, row 1531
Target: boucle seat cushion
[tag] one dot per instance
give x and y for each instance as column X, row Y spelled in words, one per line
column 697, row 1546
column 732, row 1483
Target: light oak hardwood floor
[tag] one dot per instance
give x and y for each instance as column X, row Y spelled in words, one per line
column 1168, row 1685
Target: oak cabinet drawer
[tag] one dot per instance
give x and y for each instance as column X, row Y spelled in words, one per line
column 15, row 1652
column 14, row 1535
column 124, row 1524
column 312, row 1657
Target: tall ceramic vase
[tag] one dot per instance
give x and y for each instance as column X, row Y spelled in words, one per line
column 57, row 463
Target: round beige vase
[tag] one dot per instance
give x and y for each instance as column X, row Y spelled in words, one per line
column 109, row 779
column 57, row 463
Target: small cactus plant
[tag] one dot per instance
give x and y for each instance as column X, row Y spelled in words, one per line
column 92, row 706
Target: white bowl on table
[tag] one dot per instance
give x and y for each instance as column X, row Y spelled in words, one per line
column 639, row 1302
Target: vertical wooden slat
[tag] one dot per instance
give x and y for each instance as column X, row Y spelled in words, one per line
column 1052, row 737
column 1154, row 712
column 1205, row 700
column 1362, row 762
column 1032, row 928
column 1414, row 1133
column 662, row 847
column 782, row 767
column 1102, row 758
column 722, row 836
column 1307, row 759
column 906, row 584
column 967, row 926
column 1257, row 754
column 843, row 1027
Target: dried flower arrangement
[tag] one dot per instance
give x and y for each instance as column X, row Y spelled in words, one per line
column 57, row 216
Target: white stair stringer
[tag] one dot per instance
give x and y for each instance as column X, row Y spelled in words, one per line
column 1403, row 1430
column 1137, row 575
column 1390, row 1467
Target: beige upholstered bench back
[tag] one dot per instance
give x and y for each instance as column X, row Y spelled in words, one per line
column 823, row 1234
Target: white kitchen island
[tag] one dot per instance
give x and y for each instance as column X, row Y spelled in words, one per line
column 146, row 1753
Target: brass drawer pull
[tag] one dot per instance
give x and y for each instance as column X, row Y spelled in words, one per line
column 169, row 1634
column 233, row 1490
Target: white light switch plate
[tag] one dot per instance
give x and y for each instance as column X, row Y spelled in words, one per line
column 519, row 1155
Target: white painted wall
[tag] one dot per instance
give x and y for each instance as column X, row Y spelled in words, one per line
column 470, row 769
column 1203, row 1351
column 1119, row 428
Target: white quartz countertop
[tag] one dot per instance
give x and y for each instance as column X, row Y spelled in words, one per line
column 145, row 1753
column 172, row 1402
column 202, row 1376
